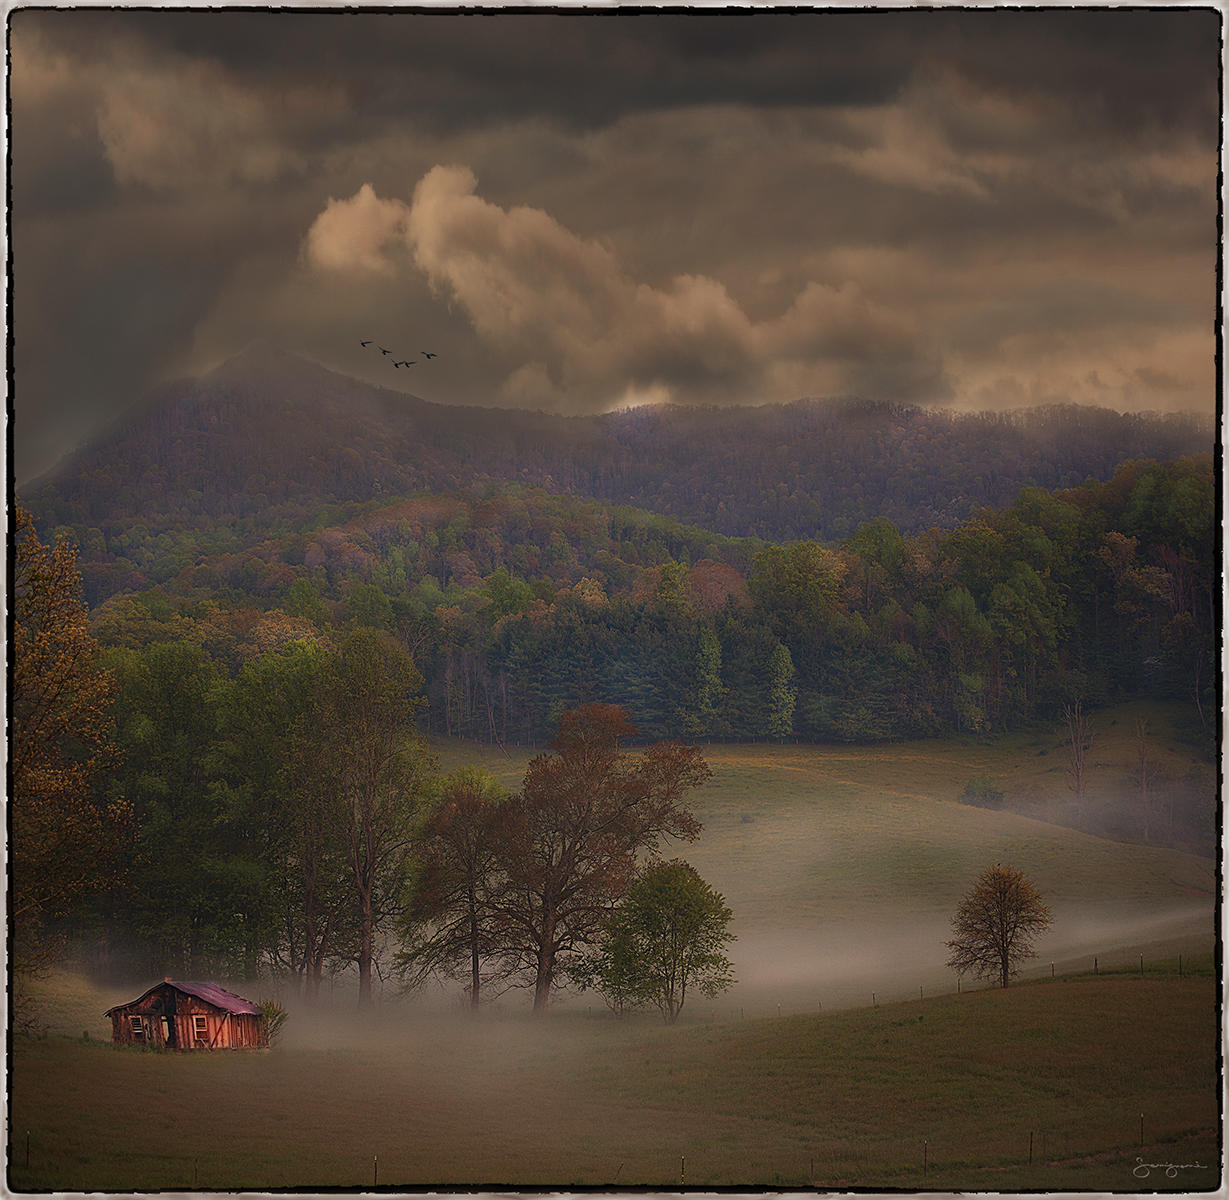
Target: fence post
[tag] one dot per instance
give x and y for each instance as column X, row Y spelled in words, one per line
column 925, row 1156
column 682, row 1170
column 27, row 1148
column 1095, row 969
column 1030, row 1147
column 1141, row 1131
column 375, row 1169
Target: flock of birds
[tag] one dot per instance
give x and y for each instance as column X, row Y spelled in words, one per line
column 405, row 362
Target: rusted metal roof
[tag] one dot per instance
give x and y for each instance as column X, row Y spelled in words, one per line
column 211, row 993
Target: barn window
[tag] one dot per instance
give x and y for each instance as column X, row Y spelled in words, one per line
column 200, row 1029
column 139, row 1029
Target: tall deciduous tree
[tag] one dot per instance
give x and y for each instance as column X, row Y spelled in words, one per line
column 583, row 814
column 288, row 787
column 1079, row 742
column 190, row 887
column 63, row 838
column 383, row 773
column 667, row 936
column 996, row 924
column 450, row 927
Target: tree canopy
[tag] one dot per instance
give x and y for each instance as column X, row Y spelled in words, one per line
column 666, row 937
column 583, row 814
column 65, row 837
column 996, row 925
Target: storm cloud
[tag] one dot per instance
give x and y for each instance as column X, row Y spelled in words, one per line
column 579, row 210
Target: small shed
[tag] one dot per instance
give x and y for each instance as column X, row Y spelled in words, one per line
column 173, row 1015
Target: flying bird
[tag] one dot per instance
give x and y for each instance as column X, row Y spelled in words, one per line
column 383, row 351
column 428, row 354
column 404, row 363
column 364, row 343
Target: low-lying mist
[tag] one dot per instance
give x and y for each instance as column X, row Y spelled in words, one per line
column 809, row 967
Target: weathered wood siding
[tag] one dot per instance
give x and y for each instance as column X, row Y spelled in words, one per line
column 174, row 1020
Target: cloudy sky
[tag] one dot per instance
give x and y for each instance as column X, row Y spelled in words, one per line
column 583, row 210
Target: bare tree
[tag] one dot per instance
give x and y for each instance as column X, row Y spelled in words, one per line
column 1079, row 742
column 995, row 925
column 1142, row 773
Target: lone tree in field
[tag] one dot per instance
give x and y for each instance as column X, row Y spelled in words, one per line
column 995, row 925
column 668, row 936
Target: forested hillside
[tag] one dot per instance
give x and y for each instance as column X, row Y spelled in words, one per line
column 890, row 577
column 519, row 604
column 268, row 439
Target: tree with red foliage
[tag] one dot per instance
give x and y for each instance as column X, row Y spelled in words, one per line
column 583, row 814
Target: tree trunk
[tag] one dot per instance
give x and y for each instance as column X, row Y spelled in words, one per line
column 541, row 990
column 364, row 954
column 475, row 981
column 546, row 963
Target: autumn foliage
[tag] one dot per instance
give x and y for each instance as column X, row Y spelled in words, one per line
column 63, row 838
column 584, row 813
column 996, row 925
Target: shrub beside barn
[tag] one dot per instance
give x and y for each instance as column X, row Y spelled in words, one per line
column 173, row 1015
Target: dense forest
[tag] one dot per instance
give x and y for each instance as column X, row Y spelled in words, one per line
column 519, row 604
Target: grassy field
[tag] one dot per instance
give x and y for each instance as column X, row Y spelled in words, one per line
column 843, row 865
column 844, row 1049
column 862, row 1098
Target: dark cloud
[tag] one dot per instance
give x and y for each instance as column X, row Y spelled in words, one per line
column 988, row 206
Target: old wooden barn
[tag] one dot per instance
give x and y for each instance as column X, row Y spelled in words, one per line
column 189, row 1016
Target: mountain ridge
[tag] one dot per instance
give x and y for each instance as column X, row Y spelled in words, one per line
column 269, row 429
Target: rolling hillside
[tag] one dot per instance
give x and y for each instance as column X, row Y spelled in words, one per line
column 843, row 865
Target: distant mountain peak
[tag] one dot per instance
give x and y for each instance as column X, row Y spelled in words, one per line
column 261, row 357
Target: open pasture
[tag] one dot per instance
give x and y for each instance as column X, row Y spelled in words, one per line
column 956, row 1086
column 843, row 865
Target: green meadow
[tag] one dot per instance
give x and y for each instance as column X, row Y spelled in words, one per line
column 844, row 1057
